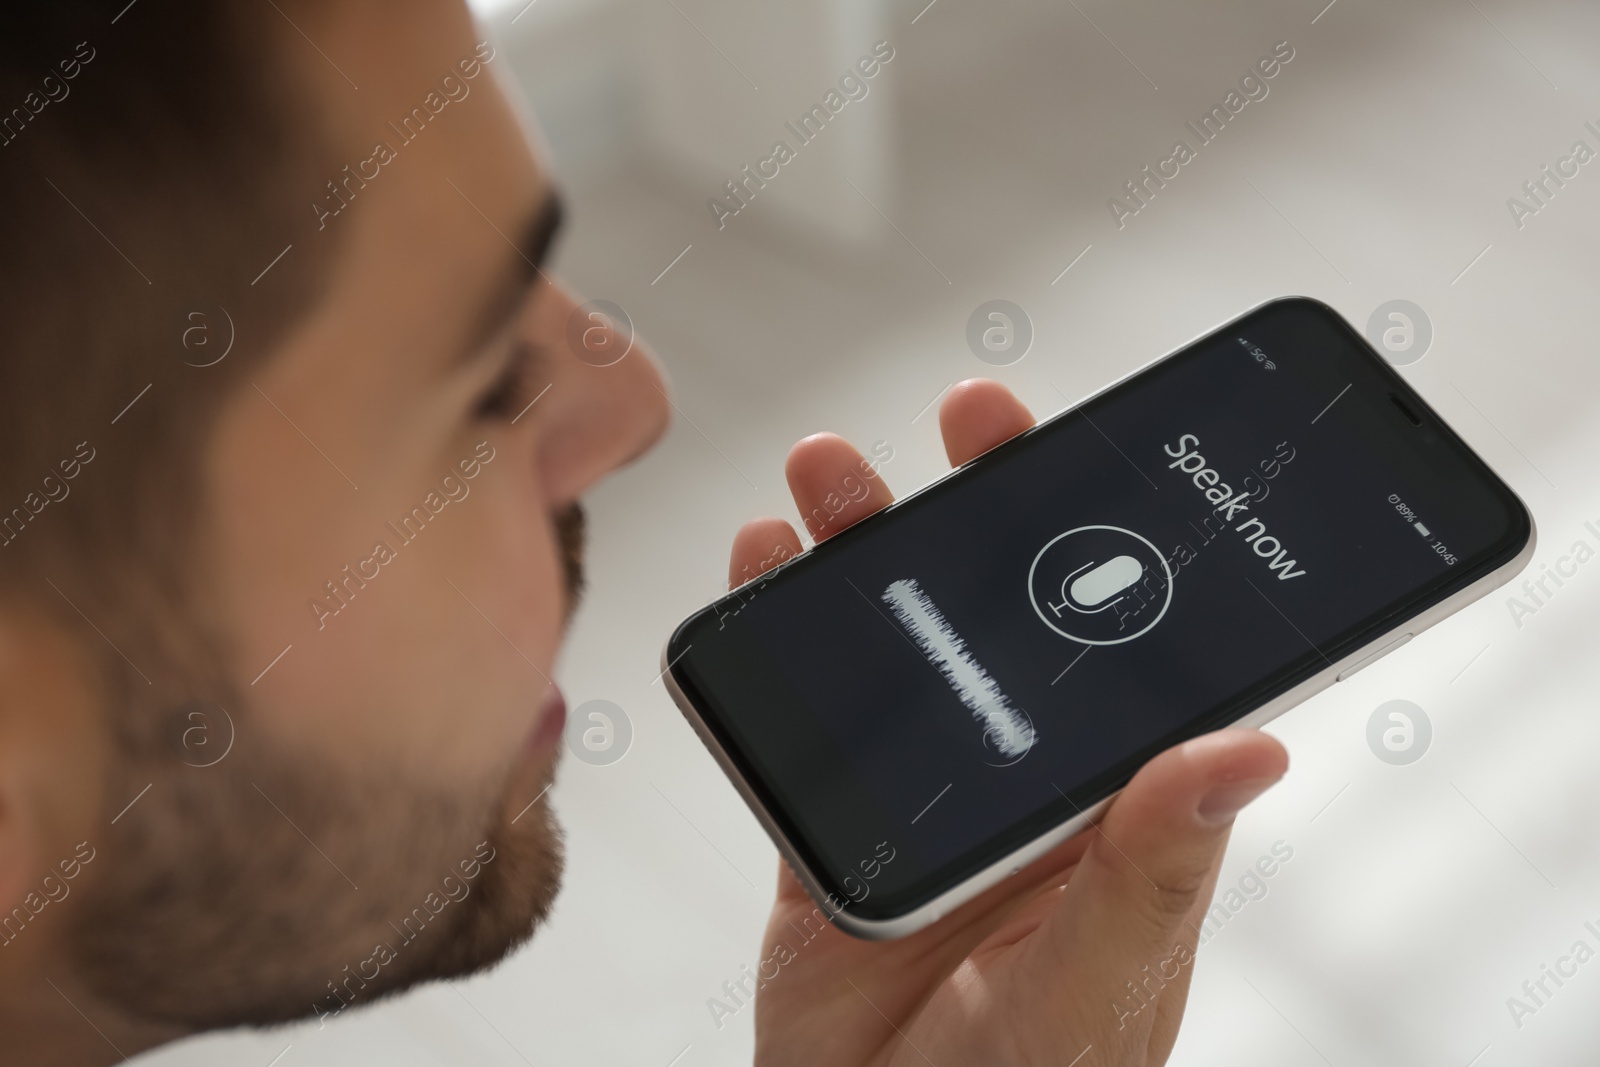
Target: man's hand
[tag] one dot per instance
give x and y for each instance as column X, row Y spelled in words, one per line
column 1083, row 958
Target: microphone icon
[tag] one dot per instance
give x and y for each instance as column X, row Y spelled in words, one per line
column 1100, row 585
column 1100, row 588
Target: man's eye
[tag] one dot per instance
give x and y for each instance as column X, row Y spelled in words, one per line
column 505, row 398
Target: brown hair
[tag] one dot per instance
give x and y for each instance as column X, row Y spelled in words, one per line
column 148, row 154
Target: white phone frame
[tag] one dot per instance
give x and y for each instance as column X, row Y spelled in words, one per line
column 952, row 898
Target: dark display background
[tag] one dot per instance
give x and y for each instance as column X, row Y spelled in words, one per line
column 850, row 732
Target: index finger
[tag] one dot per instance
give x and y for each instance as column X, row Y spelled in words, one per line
column 833, row 484
column 977, row 415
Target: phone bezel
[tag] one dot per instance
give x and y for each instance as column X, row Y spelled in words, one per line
column 1383, row 640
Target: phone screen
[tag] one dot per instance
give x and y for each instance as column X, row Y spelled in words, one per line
column 989, row 657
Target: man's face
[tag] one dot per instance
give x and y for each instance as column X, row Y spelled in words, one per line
column 390, row 558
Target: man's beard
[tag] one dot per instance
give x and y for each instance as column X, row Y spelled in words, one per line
column 273, row 886
column 570, row 524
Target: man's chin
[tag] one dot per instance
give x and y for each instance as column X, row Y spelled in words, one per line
column 215, row 911
column 518, row 874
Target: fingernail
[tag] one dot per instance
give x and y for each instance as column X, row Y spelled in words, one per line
column 1225, row 801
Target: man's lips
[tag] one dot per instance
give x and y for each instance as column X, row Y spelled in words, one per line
column 552, row 721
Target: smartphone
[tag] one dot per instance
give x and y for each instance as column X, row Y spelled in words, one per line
column 923, row 704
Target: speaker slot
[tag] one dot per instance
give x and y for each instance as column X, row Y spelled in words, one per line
column 1405, row 409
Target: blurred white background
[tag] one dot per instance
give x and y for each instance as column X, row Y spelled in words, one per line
column 1418, row 898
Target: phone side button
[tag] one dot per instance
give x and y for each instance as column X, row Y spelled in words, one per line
column 1374, row 657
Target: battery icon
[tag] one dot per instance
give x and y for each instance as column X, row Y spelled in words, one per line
column 1423, row 530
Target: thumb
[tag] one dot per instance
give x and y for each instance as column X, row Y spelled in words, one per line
column 1128, row 905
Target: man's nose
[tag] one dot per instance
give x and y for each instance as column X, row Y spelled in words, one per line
column 608, row 397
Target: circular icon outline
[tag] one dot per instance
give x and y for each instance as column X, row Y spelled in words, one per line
column 233, row 335
column 1381, row 322
column 203, row 727
column 1381, row 721
column 580, row 724
column 978, row 324
column 1171, row 580
column 1033, row 732
column 580, row 322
